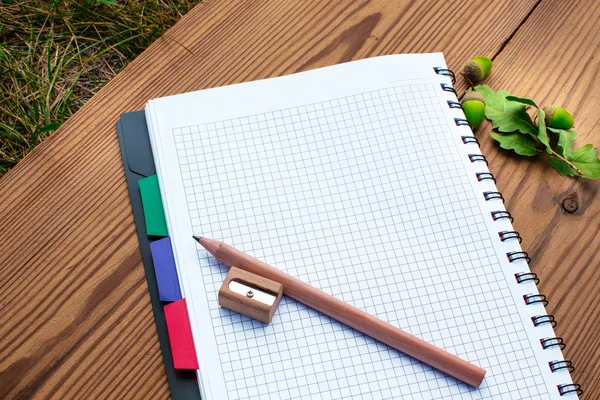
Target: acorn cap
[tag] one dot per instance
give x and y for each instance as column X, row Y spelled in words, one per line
column 477, row 69
column 557, row 117
column 473, row 105
column 473, row 72
column 473, row 95
column 549, row 111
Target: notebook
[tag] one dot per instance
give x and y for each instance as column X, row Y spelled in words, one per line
column 362, row 180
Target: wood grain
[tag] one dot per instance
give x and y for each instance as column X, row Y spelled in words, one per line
column 75, row 316
column 553, row 58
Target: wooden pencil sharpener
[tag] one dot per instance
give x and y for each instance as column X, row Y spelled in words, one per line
column 250, row 294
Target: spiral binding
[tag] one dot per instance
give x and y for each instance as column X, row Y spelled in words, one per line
column 470, row 139
column 514, row 256
column 527, row 276
column 570, row 388
column 483, row 176
column 496, row 215
column 493, row 196
column 446, row 72
column 561, row 364
column 448, row 88
column 555, row 341
column 477, row 157
column 543, row 319
column 518, row 255
column 533, row 298
column 505, row 235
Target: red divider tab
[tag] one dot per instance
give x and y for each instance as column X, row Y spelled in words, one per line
column 180, row 335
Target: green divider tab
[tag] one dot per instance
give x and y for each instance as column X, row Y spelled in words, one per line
column 154, row 214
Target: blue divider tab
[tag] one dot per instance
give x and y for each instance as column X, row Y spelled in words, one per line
column 166, row 272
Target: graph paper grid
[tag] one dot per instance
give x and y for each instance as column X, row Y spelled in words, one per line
column 366, row 198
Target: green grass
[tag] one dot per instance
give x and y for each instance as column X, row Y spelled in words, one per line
column 54, row 55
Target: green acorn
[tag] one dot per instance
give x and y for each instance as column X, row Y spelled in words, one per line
column 558, row 117
column 477, row 69
column 473, row 105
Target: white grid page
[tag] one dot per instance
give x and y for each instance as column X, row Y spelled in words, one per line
column 366, row 198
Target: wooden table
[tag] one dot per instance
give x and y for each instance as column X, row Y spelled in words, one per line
column 75, row 315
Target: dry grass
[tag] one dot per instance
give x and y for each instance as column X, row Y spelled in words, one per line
column 54, row 55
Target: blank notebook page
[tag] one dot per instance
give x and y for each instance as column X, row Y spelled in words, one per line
column 361, row 188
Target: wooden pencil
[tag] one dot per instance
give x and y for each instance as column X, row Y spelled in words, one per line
column 349, row 315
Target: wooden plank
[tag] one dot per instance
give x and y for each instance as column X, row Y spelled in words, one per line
column 553, row 59
column 75, row 317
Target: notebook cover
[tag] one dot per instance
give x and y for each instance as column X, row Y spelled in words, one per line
column 139, row 163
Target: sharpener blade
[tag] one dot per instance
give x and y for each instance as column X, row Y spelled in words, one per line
column 252, row 292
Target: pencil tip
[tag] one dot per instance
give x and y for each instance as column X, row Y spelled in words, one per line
column 197, row 238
